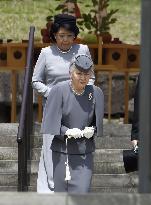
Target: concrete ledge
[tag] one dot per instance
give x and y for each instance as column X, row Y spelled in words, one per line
column 103, row 199
column 15, row 198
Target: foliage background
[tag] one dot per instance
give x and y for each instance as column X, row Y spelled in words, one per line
column 16, row 16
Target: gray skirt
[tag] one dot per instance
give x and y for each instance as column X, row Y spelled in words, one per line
column 81, row 166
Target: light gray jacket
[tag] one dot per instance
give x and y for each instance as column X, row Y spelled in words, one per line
column 64, row 110
column 53, row 66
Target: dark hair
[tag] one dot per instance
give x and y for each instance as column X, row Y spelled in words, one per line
column 65, row 21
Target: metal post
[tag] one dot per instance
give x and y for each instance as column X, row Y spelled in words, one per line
column 25, row 122
column 145, row 101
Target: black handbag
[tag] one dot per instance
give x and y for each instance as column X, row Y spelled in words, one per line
column 130, row 159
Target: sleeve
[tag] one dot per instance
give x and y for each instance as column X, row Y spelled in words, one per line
column 63, row 130
column 51, row 122
column 39, row 76
column 92, row 79
column 99, row 110
column 62, row 133
column 135, row 122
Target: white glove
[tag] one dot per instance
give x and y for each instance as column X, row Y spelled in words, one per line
column 88, row 132
column 74, row 132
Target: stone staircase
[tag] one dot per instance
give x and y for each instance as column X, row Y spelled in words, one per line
column 109, row 174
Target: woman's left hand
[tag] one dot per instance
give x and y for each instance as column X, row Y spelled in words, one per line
column 134, row 142
column 88, row 132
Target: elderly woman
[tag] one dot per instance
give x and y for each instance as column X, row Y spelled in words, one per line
column 77, row 110
column 51, row 68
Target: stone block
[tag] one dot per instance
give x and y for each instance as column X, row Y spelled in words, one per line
column 103, row 199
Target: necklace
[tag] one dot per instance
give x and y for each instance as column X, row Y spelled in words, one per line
column 75, row 93
column 64, row 51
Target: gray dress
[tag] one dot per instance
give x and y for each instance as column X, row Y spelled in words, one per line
column 71, row 111
column 52, row 67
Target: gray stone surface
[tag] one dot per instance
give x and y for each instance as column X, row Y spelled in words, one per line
column 114, row 180
column 5, row 85
column 8, row 188
column 117, row 90
column 11, row 166
column 145, row 199
column 101, row 143
column 93, row 189
column 8, row 129
column 12, row 128
column 13, row 198
column 32, row 198
column 100, row 155
column 116, row 129
column 115, row 136
column 114, row 189
column 109, row 168
column 113, row 143
column 108, row 155
column 103, row 199
column 8, row 153
column 109, row 174
column 98, row 180
column 99, row 167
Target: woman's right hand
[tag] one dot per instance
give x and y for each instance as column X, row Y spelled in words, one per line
column 134, row 142
column 74, row 133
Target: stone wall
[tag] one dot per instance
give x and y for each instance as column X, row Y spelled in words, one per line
column 117, row 91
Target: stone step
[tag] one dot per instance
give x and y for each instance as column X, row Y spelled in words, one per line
column 101, row 143
column 101, row 155
column 114, row 190
column 113, row 143
column 11, row 166
column 93, row 189
column 98, row 180
column 99, row 167
column 109, row 168
column 8, row 153
column 113, row 128
column 8, row 188
column 119, row 131
column 115, row 180
column 8, row 129
column 15, row 189
column 12, row 128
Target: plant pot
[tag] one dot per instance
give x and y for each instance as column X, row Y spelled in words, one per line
column 44, row 32
column 46, row 39
column 78, row 40
column 45, row 35
column 48, row 25
column 9, row 40
column 106, row 37
column 24, row 41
